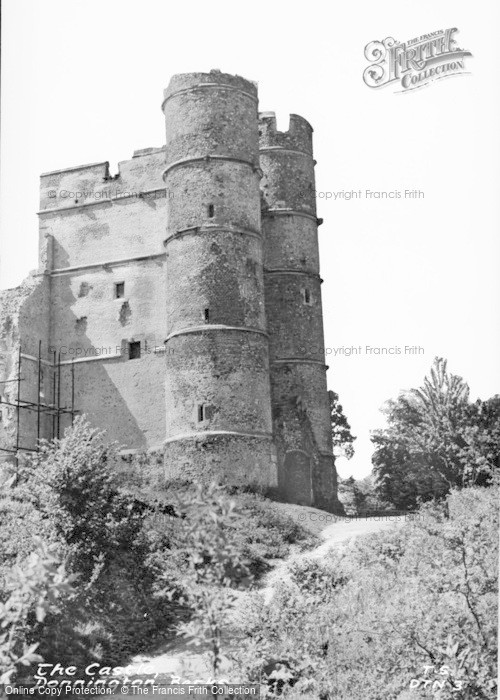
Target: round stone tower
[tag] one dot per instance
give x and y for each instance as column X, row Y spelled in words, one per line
column 301, row 414
column 218, row 405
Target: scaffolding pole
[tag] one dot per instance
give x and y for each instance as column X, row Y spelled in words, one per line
column 53, row 409
column 54, row 394
column 39, row 411
column 18, row 414
column 58, row 393
column 72, row 391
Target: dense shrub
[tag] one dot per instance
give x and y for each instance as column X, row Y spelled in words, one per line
column 28, row 594
column 391, row 610
column 260, row 533
column 213, row 567
column 68, row 495
column 125, row 539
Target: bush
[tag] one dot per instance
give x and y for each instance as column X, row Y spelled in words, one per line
column 29, row 593
column 213, row 568
column 208, row 541
column 261, row 533
column 126, row 542
column 372, row 620
column 68, row 493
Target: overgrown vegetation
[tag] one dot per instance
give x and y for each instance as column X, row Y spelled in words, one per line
column 214, row 568
column 30, row 591
column 367, row 621
column 67, row 495
column 130, row 558
column 99, row 564
column 261, row 532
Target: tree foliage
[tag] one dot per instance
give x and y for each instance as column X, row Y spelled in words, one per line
column 360, row 497
column 343, row 439
column 67, row 494
column 435, row 439
column 32, row 590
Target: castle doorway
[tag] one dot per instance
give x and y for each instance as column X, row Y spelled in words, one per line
column 298, row 477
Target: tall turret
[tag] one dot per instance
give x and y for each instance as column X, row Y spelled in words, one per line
column 218, row 405
column 301, row 415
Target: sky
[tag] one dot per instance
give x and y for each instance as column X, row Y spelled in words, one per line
column 83, row 82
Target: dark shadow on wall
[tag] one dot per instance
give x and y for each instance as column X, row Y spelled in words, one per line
column 298, row 477
column 305, row 475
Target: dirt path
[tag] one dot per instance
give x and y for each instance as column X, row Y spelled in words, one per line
column 333, row 530
column 180, row 659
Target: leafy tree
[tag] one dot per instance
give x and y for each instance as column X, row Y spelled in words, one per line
column 481, row 451
column 359, row 496
column 435, row 439
column 341, row 430
column 402, row 472
column 351, row 496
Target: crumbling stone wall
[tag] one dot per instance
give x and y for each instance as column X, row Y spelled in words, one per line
column 23, row 323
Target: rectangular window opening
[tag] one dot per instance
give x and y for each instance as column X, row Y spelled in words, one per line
column 134, row 350
column 210, row 211
column 201, row 413
column 119, row 290
column 307, row 296
column 207, row 315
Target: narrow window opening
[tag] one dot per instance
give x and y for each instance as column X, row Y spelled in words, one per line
column 210, row 211
column 201, row 413
column 134, row 350
column 119, row 290
column 307, row 296
column 207, row 315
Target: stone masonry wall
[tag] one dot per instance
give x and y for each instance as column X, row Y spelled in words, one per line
column 182, row 294
column 103, row 232
column 218, row 401
column 301, row 416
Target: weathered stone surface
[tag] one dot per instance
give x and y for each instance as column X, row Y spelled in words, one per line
column 23, row 323
column 217, row 376
column 183, row 295
column 301, row 416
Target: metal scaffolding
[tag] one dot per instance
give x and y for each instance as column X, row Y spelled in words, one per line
column 53, row 408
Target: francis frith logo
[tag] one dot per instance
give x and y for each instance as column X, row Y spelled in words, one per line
column 415, row 63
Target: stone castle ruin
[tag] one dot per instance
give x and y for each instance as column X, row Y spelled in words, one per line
column 178, row 303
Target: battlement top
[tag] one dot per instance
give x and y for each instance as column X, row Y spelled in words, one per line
column 297, row 137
